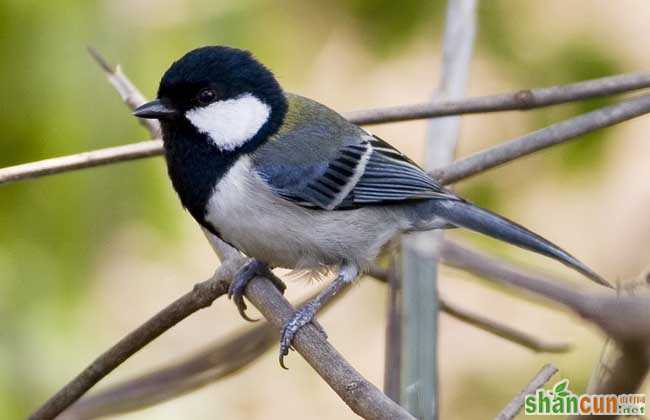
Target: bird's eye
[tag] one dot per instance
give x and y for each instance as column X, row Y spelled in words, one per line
column 207, row 96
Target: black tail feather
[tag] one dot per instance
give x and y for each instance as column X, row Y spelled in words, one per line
column 469, row 216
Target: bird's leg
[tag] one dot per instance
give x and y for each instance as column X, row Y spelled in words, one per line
column 245, row 274
column 307, row 312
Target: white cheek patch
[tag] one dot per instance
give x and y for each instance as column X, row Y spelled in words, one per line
column 232, row 122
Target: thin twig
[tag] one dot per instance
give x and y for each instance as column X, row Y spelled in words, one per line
column 131, row 96
column 521, row 100
column 514, row 406
column 491, row 326
column 590, row 121
column 83, row 160
column 523, row 338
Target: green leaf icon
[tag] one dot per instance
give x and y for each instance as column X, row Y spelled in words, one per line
column 560, row 388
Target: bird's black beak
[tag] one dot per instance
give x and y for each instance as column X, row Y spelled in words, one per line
column 155, row 110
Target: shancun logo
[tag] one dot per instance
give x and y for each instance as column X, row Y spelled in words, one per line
column 561, row 401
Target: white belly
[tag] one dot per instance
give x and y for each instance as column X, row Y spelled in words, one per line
column 261, row 224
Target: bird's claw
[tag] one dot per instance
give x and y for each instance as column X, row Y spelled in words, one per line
column 244, row 275
column 279, row 284
column 300, row 318
column 236, row 293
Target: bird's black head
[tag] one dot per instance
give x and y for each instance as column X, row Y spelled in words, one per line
column 223, row 94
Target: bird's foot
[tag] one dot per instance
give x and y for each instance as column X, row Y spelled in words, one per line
column 300, row 318
column 306, row 313
column 245, row 274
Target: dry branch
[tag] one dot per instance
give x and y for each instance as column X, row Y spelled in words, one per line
column 623, row 318
column 230, row 355
column 623, row 366
column 510, row 411
column 83, row 160
column 521, row 100
column 362, row 397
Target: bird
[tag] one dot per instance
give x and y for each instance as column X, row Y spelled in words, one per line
column 291, row 183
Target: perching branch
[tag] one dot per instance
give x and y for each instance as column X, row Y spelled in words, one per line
column 359, row 394
column 589, row 122
column 230, row 355
column 512, row 409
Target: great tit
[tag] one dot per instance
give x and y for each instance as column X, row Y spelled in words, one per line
column 293, row 184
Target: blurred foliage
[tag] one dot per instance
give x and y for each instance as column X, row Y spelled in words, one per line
column 385, row 25
column 54, row 101
column 54, row 229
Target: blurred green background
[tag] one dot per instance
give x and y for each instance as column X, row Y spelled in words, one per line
column 87, row 256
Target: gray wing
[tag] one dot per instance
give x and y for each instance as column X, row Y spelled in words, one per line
column 326, row 162
column 390, row 176
column 361, row 171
